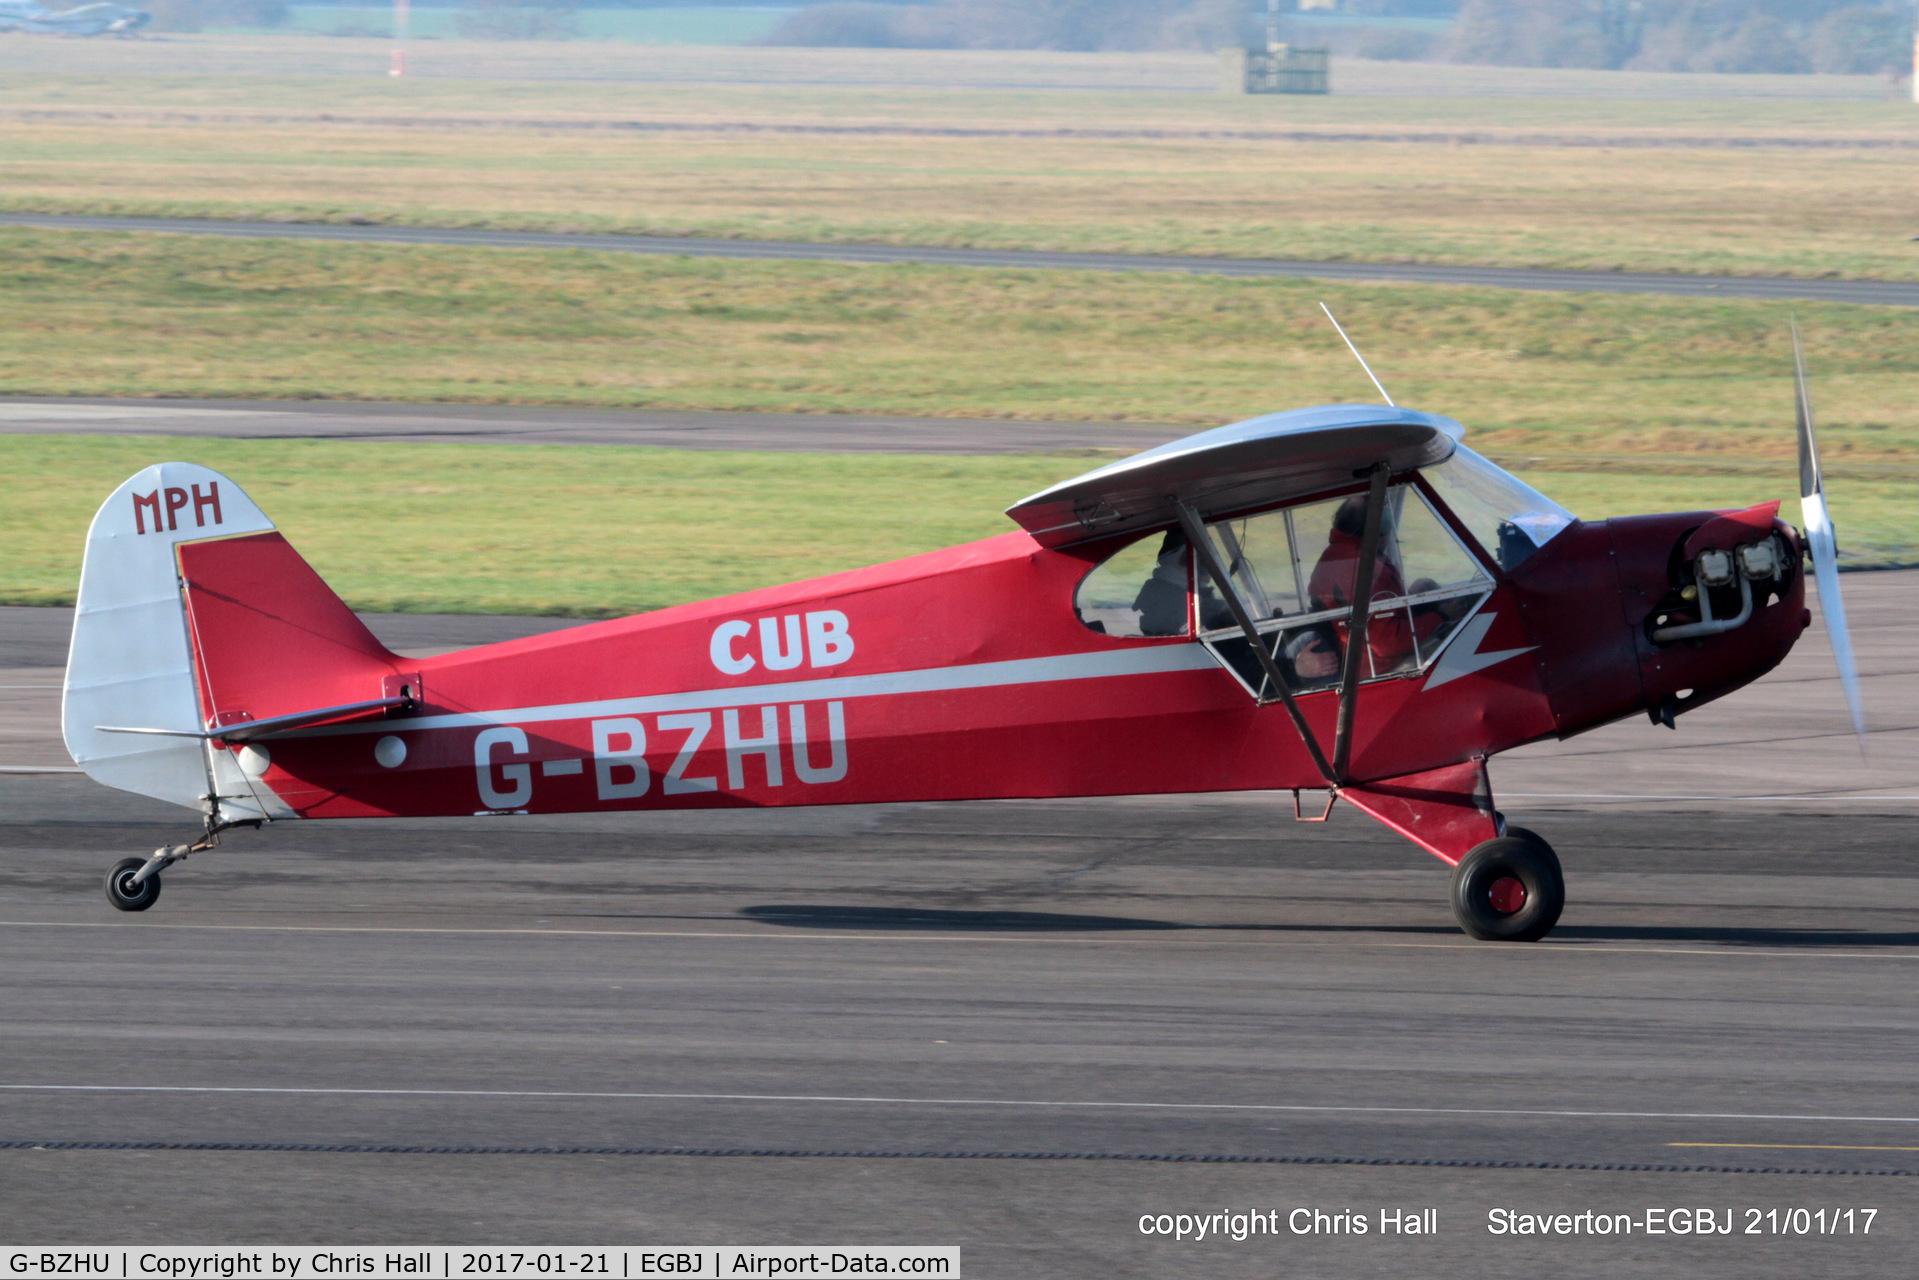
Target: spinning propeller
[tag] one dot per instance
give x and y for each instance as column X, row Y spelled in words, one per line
column 1822, row 545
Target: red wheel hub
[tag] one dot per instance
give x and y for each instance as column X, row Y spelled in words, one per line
column 1508, row 895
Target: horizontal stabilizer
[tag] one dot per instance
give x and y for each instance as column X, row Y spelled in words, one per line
column 254, row 730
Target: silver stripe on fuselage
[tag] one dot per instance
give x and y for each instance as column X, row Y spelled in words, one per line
column 1154, row 660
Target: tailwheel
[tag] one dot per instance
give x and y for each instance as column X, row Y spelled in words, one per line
column 1509, row 889
column 124, row 892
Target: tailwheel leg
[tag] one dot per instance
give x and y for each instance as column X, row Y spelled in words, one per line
column 1509, row 889
column 133, row 884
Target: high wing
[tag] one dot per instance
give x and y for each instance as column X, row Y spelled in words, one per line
column 1261, row 461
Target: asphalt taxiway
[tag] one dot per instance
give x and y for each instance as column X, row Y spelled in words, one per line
column 1888, row 293
column 1014, row 1026
column 550, row 425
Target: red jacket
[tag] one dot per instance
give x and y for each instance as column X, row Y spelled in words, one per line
column 1390, row 636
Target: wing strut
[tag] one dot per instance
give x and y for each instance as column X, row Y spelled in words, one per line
column 1357, row 641
column 1209, row 557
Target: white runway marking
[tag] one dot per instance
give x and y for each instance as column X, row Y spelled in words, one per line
column 613, row 1096
column 1196, row 933
column 1600, row 795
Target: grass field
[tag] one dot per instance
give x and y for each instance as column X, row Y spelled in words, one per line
column 1825, row 188
column 1556, row 374
column 259, row 63
column 531, row 529
column 904, row 88
column 593, row 532
column 1612, row 404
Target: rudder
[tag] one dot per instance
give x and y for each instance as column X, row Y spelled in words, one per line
column 193, row 613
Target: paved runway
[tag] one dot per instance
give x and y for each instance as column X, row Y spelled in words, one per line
column 1867, row 292
column 1122, row 993
column 543, row 424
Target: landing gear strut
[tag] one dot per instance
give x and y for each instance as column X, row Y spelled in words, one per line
column 1509, row 889
column 133, row 884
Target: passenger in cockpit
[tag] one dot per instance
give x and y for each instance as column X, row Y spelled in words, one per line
column 1161, row 601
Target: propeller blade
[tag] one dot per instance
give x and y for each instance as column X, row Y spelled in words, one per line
column 1822, row 544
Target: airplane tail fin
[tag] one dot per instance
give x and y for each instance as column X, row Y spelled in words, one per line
column 195, row 614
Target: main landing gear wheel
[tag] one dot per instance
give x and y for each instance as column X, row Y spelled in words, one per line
column 1509, row 889
column 126, row 895
column 1521, row 833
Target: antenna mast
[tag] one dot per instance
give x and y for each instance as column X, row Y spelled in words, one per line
column 1355, row 350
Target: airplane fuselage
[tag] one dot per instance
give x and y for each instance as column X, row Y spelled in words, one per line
column 962, row 674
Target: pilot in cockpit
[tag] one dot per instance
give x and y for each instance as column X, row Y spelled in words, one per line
column 1316, row 652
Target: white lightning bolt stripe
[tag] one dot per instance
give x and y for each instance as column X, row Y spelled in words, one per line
column 1462, row 656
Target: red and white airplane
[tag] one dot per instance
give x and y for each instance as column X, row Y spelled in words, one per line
column 1180, row 621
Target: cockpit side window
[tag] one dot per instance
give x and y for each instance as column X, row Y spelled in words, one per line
column 1142, row 590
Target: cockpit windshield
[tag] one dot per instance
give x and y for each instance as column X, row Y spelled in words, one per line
column 1510, row 518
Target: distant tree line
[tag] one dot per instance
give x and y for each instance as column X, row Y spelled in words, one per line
column 193, row 15
column 518, row 20
column 476, row 19
column 1845, row 37
column 1839, row 36
column 1020, row 24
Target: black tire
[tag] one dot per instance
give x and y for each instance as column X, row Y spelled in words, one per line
column 1516, row 832
column 125, row 895
column 1482, row 891
column 1521, row 833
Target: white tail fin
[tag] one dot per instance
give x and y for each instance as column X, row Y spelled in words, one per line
column 131, row 662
